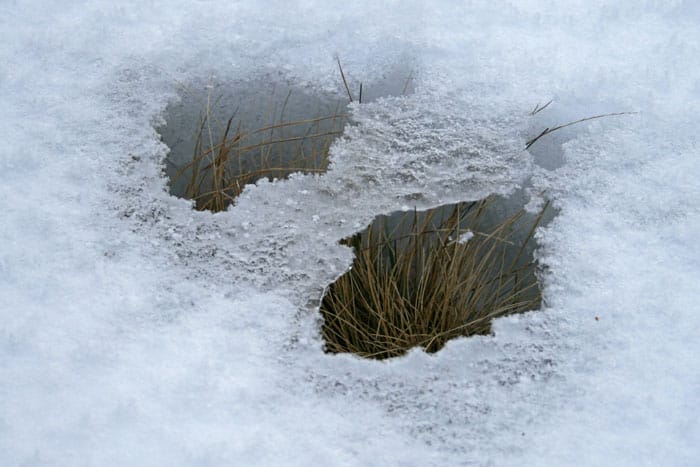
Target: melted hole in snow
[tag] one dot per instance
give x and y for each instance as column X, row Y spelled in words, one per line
column 422, row 278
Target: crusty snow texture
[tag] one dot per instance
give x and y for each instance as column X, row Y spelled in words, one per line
column 136, row 331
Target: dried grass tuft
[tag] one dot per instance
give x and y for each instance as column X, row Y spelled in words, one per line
column 422, row 283
column 222, row 165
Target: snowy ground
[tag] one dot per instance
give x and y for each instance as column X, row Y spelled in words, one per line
column 135, row 331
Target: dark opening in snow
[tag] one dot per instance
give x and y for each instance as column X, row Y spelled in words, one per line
column 422, row 278
column 223, row 137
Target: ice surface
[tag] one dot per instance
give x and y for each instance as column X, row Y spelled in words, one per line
column 137, row 331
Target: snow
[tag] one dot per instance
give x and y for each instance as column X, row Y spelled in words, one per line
column 137, row 331
column 465, row 237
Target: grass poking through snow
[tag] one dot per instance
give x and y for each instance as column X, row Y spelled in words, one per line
column 225, row 161
column 419, row 281
column 427, row 280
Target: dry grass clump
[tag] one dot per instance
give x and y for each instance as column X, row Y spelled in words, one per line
column 226, row 159
column 426, row 280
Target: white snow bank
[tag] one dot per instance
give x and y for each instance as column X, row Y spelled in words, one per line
column 136, row 331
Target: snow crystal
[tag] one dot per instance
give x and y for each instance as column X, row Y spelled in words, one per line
column 465, row 237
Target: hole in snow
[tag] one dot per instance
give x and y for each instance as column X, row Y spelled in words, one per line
column 224, row 136
column 423, row 278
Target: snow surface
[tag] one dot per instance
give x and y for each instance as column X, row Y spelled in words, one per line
column 135, row 331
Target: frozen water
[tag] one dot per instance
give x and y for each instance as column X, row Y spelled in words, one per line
column 137, row 331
